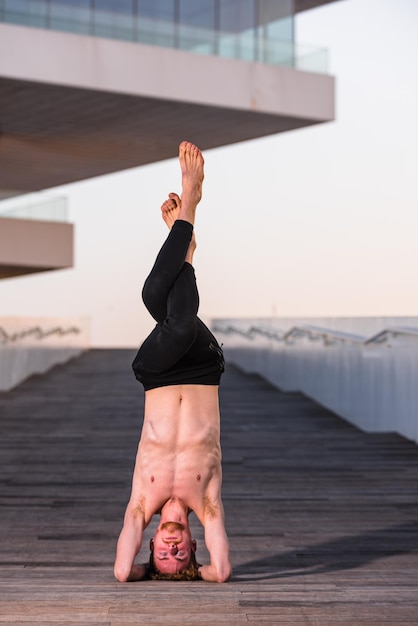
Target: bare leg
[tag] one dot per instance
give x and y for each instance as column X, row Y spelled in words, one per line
column 192, row 174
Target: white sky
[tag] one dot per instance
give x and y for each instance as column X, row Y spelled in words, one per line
column 319, row 221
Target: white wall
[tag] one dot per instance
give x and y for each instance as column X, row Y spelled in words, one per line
column 373, row 385
column 22, row 355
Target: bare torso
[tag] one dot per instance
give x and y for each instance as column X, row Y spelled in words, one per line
column 179, row 453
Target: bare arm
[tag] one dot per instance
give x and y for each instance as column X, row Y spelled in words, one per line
column 129, row 544
column 219, row 570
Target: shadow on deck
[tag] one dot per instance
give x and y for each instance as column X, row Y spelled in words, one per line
column 322, row 519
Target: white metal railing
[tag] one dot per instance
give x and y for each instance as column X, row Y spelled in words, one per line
column 363, row 369
column 314, row 333
column 37, row 332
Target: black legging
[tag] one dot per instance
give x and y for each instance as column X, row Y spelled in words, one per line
column 171, row 296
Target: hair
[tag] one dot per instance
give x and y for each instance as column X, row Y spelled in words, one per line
column 191, row 572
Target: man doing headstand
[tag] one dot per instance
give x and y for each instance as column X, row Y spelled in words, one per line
column 178, row 464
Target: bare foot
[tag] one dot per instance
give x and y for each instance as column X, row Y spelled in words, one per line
column 192, row 174
column 170, row 209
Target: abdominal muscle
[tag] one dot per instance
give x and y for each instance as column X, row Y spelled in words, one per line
column 179, row 452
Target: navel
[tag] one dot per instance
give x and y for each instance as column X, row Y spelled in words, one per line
column 152, row 479
column 198, row 477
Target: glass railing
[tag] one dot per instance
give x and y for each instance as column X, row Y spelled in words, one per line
column 247, row 46
column 312, row 59
column 32, row 207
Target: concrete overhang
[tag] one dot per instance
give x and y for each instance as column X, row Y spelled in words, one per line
column 29, row 246
column 305, row 5
column 73, row 107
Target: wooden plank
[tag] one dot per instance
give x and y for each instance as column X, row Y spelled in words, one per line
column 322, row 519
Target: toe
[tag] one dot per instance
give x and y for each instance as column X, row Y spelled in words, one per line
column 175, row 198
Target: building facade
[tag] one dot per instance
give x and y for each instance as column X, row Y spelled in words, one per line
column 89, row 87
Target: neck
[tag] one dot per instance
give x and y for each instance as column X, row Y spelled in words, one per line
column 174, row 510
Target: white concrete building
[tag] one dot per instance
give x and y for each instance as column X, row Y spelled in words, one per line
column 90, row 87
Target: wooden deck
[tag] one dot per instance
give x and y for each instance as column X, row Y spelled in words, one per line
column 322, row 519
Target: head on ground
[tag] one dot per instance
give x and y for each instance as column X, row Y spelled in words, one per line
column 173, row 553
